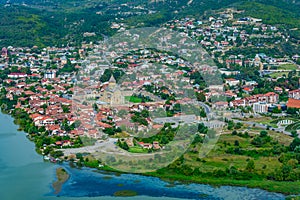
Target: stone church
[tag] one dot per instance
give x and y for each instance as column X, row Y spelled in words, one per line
column 112, row 94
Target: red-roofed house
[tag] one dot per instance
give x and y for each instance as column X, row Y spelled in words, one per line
column 278, row 89
column 46, row 121
column 104, row 125
column 269, row 97
column 293, row 103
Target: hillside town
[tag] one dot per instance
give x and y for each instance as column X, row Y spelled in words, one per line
column 71, row 93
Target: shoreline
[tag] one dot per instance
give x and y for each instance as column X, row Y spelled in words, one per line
column 214, row 182
column 190, row 180
column 228, row 182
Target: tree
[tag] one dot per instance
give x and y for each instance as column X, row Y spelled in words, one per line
column 203, row 113
column 66, row 108
column 79, row 156
column 56, row 154
column 276, row 110
column 236, row 143
column 65, row 126
column 125, row 146
column 263, row 134
column 294, row 134
column 49, row 87
column 293, row 163
column 145, row 113
column 250, row 166
column 202, row 128
column 44, row 106
column 109, row 131
column 95, row 107
column 201, row 97
column 294, row 144
column 197, row 139
column 286, row 170
column 257, row 141
column 238, row 125
column 230, row 125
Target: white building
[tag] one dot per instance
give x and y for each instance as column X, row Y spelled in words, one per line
column 260, row 107
column 17, row 75
column 50, row 74
column 232, row 82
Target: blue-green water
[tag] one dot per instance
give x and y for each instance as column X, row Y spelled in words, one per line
column 24, row 175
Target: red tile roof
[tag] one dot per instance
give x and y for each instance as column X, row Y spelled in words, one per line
column 293, row 103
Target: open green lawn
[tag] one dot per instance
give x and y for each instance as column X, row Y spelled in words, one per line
column 137, row 149
column 279, row 74
column 133, row 99
column 287, row 67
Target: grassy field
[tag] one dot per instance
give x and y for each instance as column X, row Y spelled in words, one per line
column 287, row 67
column 133, row 99
column 137, row 149
column 219, row 159
column 279, row 74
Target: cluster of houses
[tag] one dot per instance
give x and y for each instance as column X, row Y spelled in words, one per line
column 260, row 103
column 37, row 88
column 45, row 90
column 222, row 32
column 46, row 107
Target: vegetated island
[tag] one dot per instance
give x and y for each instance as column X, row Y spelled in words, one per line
column 62, row 176
column 125, row 193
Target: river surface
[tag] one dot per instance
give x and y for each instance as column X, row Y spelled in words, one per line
column 24, row 175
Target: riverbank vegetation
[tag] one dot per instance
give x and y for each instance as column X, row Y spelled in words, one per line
column 257, row 160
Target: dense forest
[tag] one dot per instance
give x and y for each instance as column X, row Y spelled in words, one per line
column 49, row 22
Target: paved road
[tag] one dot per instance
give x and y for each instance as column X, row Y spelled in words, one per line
column 207, row 109
column 91, row 149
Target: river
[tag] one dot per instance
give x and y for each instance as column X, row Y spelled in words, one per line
column 24, row 175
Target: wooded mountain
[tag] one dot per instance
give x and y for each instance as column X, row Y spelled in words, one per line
column 58, row 22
